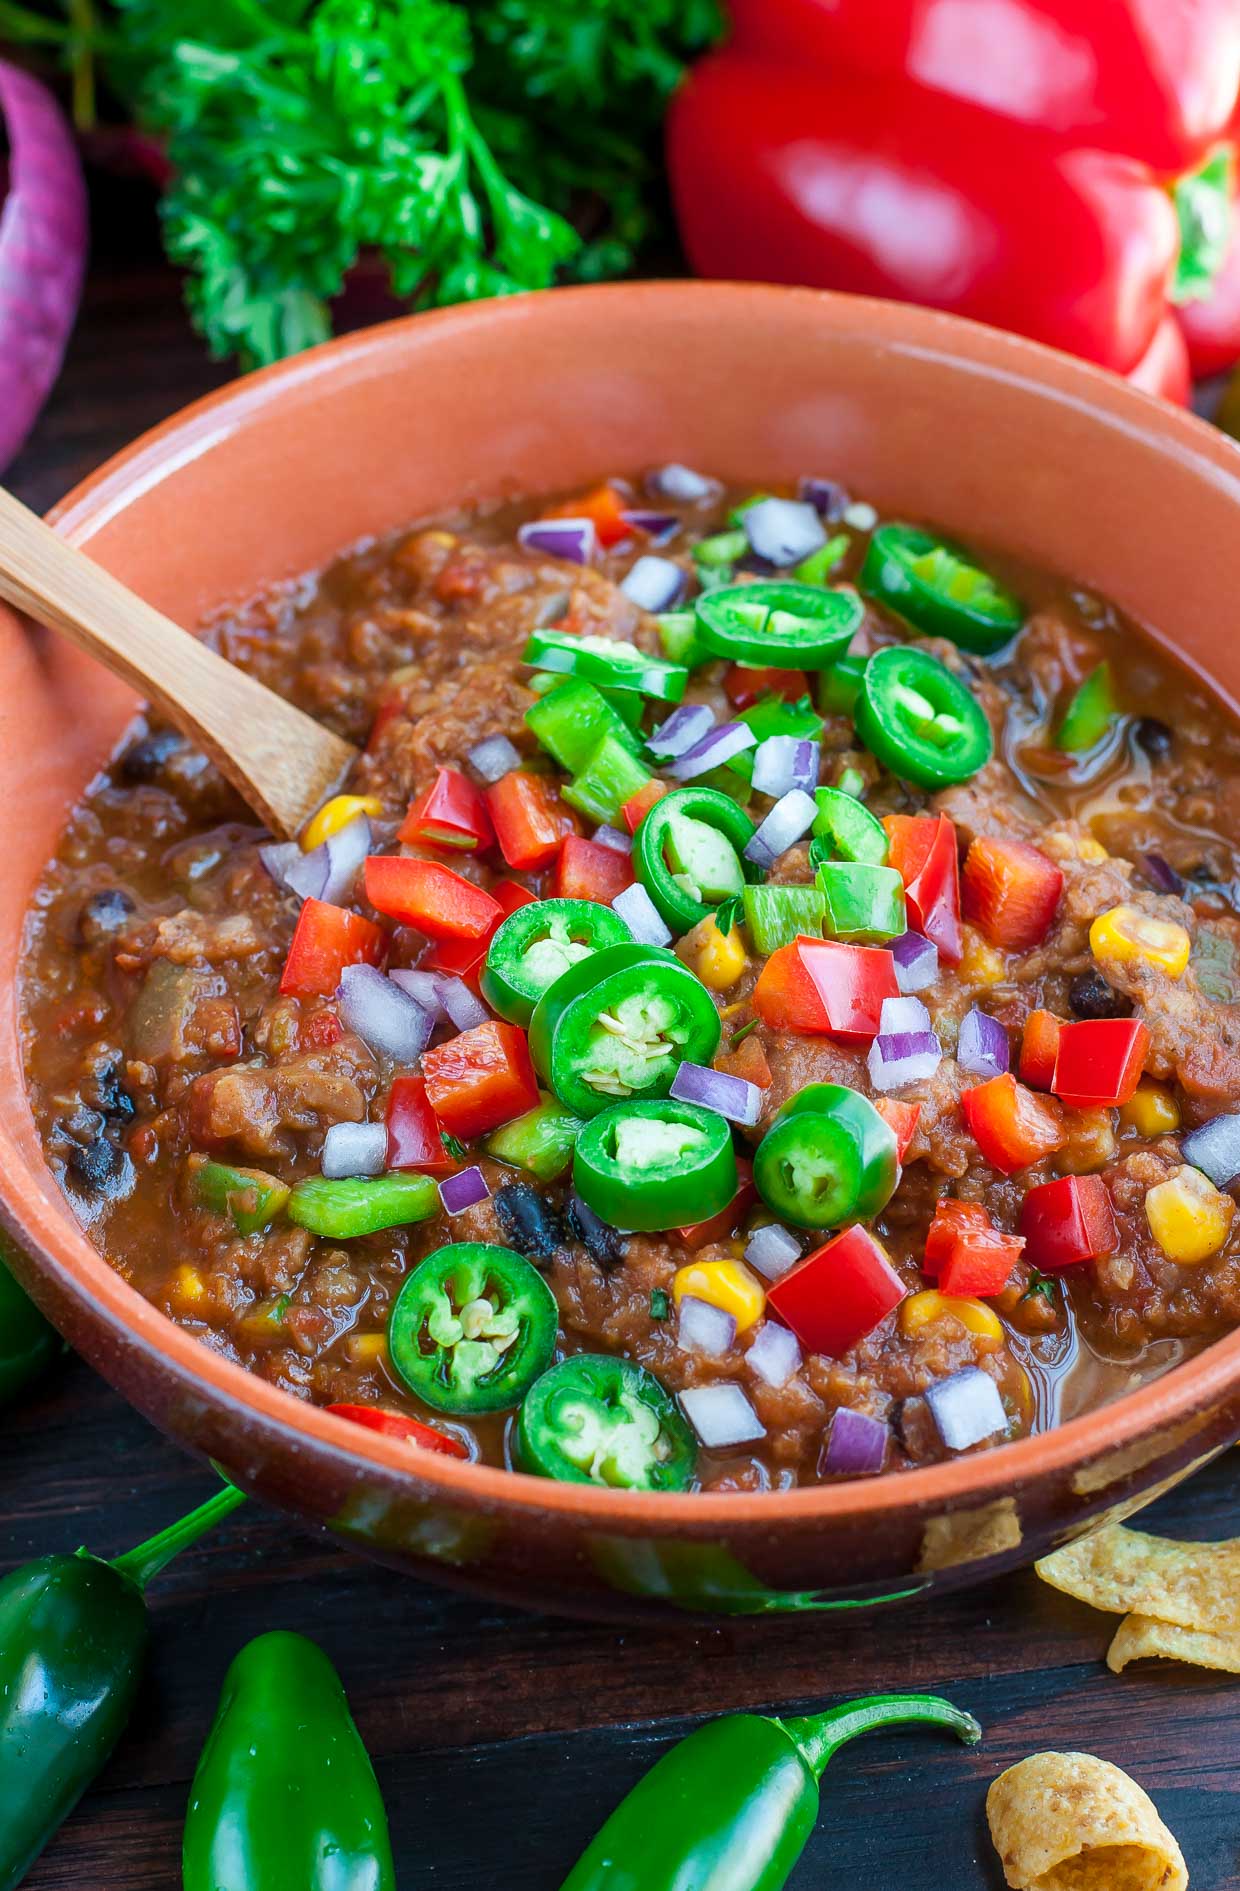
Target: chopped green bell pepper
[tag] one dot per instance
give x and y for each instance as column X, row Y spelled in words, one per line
column 541, row 1141
column 1091, row 714
column 865, row 904
column 723, row 549
column 652, row 1166
column 681, row 644
column 853, row 832
column 599, row 1419
column 362, row 1205
column 840, row 686
column 251, row 1198
column 776, row 915
column 608, row 663
column 820, row 564
column 609, row 778
column 571, row 720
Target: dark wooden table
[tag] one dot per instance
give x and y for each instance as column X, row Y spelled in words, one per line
column 502, row 1739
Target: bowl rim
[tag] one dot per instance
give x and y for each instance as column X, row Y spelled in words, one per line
column 87, row 1278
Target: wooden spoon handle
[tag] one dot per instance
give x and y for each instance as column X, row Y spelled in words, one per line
column 282, row 762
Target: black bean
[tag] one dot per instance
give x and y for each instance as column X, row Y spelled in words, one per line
column 112, row 1097
column 528, row 1220
column 143, row 759
column 1155, row 738
column 602, row 1243
column 104, row 913
column 1091, row 997
column 98, row 1165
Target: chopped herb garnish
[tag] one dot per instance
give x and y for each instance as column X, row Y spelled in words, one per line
column 660, row 1305
column 1040, row 1286
column 728, row 914
column 281, row 1307
column 738, row 1037
column 455, row 1148
column 820, row 850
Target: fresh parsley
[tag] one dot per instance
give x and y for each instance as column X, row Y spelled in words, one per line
column 738, row 1037
column 728, row 914
column 455, row 1148
column 1041, row 1286
column 660, row 1305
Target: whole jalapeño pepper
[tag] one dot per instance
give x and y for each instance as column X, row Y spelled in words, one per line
column 27, row 1343
column 731, row 1807
column 284, row 1797
column 73, row 1633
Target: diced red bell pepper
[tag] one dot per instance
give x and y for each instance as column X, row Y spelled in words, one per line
column 1038, row 1047
column 743, row 686
column 1099, row 1062
column 638, row 806
column 825, row 989
column 902, row 1117
column 587, row 871
column 980, row 1262
column 396, row 1425
column 422, row 893
column 838, row 1294
column 1011, row 1126
column 1011, row 891
column 1067, row 1222
column 321, row 1031
column 450, row 813
column 325, row 940
column 922, row 849
column 414, row 1138
column 951, row 1220
column 719, row 1226
column 604, row 507
column 463, row 957
column 530, row 820
column 480, row 1079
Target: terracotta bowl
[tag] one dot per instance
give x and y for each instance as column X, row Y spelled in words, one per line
column 989, row 436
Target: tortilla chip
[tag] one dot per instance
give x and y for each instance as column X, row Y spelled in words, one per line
column 1139, row 1636
column 1070, row 1822
column 1195, row 1585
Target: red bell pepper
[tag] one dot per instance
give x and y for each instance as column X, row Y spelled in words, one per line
column 320, row 1031
column 838, row 1294
column 480, row 1079
column 605, row 509
column 1011, row 892
column 530, row 820
column 1036, row 164
column 450, row 813
column 638, row 806
column 587, row 871
column 951, row 1219
column 414, row 1137
column 1011, row 1126
column 396, row 1425
column 325, row 940
column 422, row 893
column 1099, row 1061
column 719, row 1226
column 823, row 989
column 902, row 1117
column 980, row 1262
column 922, row 849
column 743, row 686
column 1067, row 1222
column 462, row 957
column 1038, row 1047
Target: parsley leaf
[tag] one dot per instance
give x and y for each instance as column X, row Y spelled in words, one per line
column 728, row 914
column 660, row 1304
column 455, row 1148
column 1041, row 1286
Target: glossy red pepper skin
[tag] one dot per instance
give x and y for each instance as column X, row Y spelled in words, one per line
column 923, row 851
column 1211, row 325
column 1067, row 1222
column 743, row 687
column 480, row 1079
column 396, row 1425
column 824, row 989
column 719, row 1227
column 587, row 871
column 980, row 1262
column 1038, row 1047
column 951, row 1220
column 325, row 940
column 1011, row 1126
column 450, row 813
column 1011, row 892
column 432, row 898
column 638, row 806
column 605, row 509
column 1099, row 1061
column 903, row 1118
column 838, row 1294
column 463, row 957
column 530, row 820
column 415, row 1140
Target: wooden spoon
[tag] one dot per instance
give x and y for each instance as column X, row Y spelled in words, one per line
column 281, row 762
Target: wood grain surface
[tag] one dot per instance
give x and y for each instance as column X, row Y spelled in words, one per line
column 501, row 1740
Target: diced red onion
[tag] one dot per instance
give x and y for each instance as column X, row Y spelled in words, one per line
column 1161, row 875
column 612, row 837
column 641, row 916
column 464, row 1007
column 685, row 727
column 917, row 961
column 966, row 1408
column 717, row 1090
column 704, row 1327
column 463, row 1190
column 774, row 1354
column 654, row 584
column 281, row 856
column 347, row 848
column 983, row 1046
column 307, row 878
column 903, row 1014
column 715, row 748
column 793, row 815
column 494, row 758
column 680, row 483
column 784, row 762
column 573, row 539
column 384, row 1016
column 424, row 988
column 856, row 1445
column 860, row 514
column 904, row 1057
column 772, row 1250
column 1215, row 1149
column 658, row 527
column 827, row 499
column 721, row 1415
column 354, row 1149
column 43, row 241
column 783, row 530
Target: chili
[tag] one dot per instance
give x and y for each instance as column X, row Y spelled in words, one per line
column 652, row 1166
column 472, row 1328
column 827, row 1157
column 919, row 721
column 598, row 1419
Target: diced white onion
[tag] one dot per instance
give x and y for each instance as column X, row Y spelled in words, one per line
column 721, row 1415
column 354, row 1149
column 494, row 758
column 903, row 1014
column 772, row 1250
column 775, row 1353
column 641, row 916
column 705, row 1328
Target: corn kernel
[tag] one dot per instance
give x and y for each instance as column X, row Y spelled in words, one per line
column 189, row 1290
column 1129, row 935
column 366, row 1349
column 337, row 813
column 726, row 1284
column 923, row 1309
column 1189, row 1218
column 1151, row 1110
column 1092, row 852
column 718, row 958
column 980, row 964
